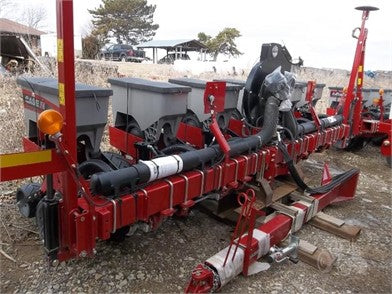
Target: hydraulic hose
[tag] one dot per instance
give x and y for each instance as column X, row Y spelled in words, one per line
column 289, row 122
column 109, row 183
column 335, row 181
column 310, row 126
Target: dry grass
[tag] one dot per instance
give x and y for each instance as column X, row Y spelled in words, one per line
column 97, row 72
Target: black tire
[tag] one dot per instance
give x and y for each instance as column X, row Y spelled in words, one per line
column 119, row 235
column 93, row 166
column 134, row 129
column 192, row 120
column 378, row 140
column 236, row 114
column 27, row 200
column 116, row 160
column 355, row 144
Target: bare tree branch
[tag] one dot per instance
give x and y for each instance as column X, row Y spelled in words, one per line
column 6, row 6
column 35, row 17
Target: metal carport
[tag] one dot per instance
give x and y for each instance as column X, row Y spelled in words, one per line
column 177, row 46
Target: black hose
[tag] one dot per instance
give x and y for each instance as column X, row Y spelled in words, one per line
column 335, row 181
column 289, row 122
column 108, row 182
column 310, row 126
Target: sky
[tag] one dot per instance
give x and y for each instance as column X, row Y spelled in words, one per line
column 318, row 31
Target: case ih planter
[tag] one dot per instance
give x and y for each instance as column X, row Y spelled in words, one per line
column 104, row 195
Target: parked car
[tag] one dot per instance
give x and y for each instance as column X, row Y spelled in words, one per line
column 169, row 58
column 123, row 53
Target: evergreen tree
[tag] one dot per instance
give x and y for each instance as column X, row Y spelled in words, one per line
column 129, row 21
column 222, row 43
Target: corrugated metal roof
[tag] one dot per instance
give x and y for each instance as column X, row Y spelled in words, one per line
column 172, row 43
column 9, row 26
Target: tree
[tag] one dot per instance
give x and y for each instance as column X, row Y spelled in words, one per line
column 129, row 21
column 92, row 41
column 90, row 46
column 6, row 8
column 34, row 17
column 222, row 43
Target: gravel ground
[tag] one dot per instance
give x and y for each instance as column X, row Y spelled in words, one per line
column 161, row 261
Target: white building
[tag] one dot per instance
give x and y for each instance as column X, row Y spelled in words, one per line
column 49, row 45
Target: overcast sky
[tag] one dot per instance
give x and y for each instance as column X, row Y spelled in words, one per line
column 318, row 31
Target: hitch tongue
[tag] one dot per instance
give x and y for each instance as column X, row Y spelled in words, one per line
column 279, row 254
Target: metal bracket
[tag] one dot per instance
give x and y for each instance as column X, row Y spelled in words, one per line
column 202, row 182
column 186, row 186
column 220, row 176
column 257, row 162
column 171, row 193
column 290, row 252
column 260, row 174
column 236, row 169
column 310, row 202
column 114, row 228
column 246, row 164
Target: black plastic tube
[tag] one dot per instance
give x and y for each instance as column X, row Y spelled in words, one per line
column 310, row 126
column 108, row 183
column 289, row 122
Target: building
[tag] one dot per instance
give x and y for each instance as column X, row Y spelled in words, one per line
column 175, row 49
column 49, row 45
column 11, row 28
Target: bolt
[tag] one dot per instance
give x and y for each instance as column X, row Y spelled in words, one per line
column 94, row 251
column 66, row 152
column 82, row 219
column 55, row 262
column 83, row 254
column 269, row 178
column 386, row 143
column 94, row 218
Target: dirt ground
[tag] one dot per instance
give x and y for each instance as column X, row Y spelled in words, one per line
column 162, row 261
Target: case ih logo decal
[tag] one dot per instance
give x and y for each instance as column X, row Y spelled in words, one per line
column 37, row 104
column 336, row 93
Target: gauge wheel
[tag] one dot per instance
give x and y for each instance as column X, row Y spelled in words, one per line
column 355, row 144
column 134, row 129
column 192, row 120
column 93, row 166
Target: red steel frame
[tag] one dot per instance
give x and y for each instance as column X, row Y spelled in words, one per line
column 356, row 79
column 83, row 219
column 361, row 126
column 158, row 200
column 278, row 228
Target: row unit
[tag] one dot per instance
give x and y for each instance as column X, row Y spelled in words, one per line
column 143, row 107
